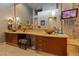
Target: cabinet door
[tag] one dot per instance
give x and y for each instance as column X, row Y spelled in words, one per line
column 57, row 46
column 8, row 38
column 11, row 38
column 41, row 44
column 14, row 39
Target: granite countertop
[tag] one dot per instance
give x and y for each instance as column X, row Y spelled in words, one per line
column 38, row 33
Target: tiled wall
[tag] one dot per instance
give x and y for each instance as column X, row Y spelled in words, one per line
column 76, row 24
column 6, row 10
column 68, row 23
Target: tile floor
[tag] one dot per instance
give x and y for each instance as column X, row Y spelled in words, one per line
column 73, row 47
column 8, row 50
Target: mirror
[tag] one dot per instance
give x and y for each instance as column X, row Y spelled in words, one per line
column 24, row 13
column 37, row 14
column 21, row 19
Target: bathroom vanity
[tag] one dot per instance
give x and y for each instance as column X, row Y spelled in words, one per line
column 49, row 43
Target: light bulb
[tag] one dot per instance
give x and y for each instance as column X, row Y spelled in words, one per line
column 53, row 13
column 17, row 18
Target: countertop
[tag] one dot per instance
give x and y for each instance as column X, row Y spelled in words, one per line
column 38, row 33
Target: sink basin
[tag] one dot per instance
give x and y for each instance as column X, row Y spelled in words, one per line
column 49, row 31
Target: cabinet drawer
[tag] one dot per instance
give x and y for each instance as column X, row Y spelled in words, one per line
column 39, row 40
column 40, row 45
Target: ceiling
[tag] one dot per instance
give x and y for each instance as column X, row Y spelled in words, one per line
column 38, row 5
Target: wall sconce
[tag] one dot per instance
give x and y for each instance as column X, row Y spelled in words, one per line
column 53, row 13
column 18, row 20
column 10, row 20
column 14, row 21
column 10, row 23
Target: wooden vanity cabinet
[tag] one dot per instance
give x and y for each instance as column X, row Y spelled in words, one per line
column 11, row 39
column 53, row 45
column 56, row 46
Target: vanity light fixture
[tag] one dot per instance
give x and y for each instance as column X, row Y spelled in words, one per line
column 10, row 18
column 17, row 19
